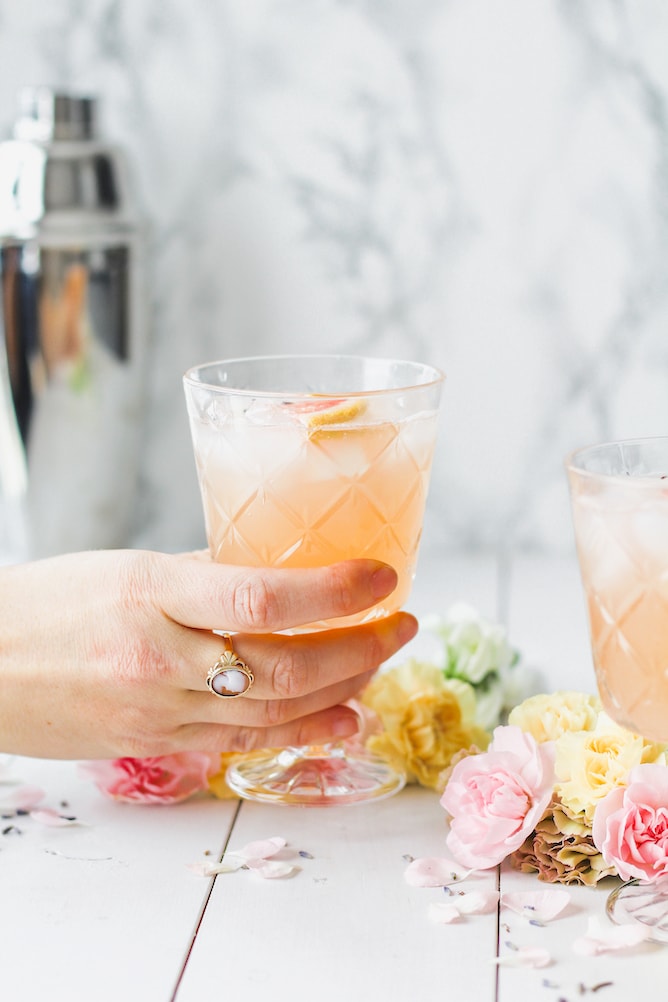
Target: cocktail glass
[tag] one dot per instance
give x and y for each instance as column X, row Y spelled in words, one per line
column 304, row 461
column 619, row 495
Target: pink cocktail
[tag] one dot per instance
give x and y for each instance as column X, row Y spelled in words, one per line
column 304, row 461
column 619, row 496
column 619, row 493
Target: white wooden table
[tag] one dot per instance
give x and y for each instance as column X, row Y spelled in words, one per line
column 109, row 911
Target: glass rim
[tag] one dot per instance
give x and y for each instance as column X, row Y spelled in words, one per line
column 571, row 460
column 437, row 375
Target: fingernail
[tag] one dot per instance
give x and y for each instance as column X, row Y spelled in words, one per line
column 407, row 628
column 383, row 581
column 346, row 725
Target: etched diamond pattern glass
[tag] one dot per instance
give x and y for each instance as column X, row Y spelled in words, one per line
column 621, row 530
column 319, row 503
column 619, row 494
column 303, row 462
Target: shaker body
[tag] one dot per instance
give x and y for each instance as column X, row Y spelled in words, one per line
column 72, row 321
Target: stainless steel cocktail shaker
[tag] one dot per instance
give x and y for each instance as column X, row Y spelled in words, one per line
column 72, row 333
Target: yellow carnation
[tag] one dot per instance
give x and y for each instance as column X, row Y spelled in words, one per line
column 218, row 784
column 426, row 720
column 589, row 764
column 546, row 718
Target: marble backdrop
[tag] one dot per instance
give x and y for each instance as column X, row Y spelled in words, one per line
column 482, row 185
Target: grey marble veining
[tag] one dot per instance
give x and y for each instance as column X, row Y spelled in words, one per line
column 481, row 185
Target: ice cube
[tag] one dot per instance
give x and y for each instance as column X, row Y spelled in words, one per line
column 650, row 533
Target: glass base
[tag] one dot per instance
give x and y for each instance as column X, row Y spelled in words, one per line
column 644, row 904
column 313, row 777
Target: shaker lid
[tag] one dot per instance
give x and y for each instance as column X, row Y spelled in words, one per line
column 47, row 114
column 57, row 177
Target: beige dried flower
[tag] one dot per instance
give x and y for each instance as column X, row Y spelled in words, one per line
column 561, row 850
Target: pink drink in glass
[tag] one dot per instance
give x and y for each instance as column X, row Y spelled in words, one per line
column 619, row 496
column 305, row 461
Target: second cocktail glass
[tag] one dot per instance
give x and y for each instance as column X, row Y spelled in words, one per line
column 304, row 461
column 619, row 494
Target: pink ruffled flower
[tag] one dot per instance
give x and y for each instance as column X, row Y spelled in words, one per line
column 630, row 826
column 162, row 779
column 496, row 799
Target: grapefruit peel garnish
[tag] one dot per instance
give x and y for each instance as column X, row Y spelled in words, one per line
column 319, row 413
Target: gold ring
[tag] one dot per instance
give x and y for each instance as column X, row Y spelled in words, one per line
column 229, row 677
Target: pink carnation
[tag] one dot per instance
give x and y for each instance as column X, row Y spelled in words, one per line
column 162, row 779
column 497, row 798
column 630, row 826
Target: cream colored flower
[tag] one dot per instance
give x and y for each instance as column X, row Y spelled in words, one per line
column 476, row 650
column 589, row 764
column 547, row 717
column 474, row 646
column 426, row 720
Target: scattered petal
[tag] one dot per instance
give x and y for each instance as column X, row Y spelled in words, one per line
column 253, row 856
column 305, row 855
column 537, row 906
column 228, row 865
column 609, row 939
column 477, row 902
column 434, row 872
column 21, row 798
column 270, row 869
column 47, row 816
column 474, row 903
column 525, row 956
column 262, row 849
column 443, row 913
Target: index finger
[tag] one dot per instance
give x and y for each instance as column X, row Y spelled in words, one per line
column 206, row 595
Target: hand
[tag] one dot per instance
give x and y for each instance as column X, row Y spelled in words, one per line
column 105, row 653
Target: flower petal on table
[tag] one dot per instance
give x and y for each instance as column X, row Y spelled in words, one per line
column 230, row 864
column 473, row 903
column 537, row 906
column 477, row 902
column 434, row 871
column 262, row 848
column 21, row 798
column 525, row 956
column 444, row 913
column 47, row 816
column 609, row 939
column 270, row 869
column 253, row 856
